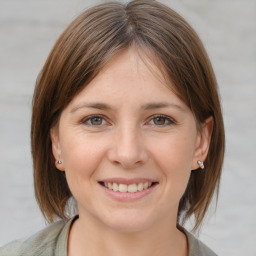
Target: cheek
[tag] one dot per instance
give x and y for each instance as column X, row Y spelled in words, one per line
column 175, row 152
column 174, row 157
column 81, row 157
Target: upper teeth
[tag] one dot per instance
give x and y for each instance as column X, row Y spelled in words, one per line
column 132, row 188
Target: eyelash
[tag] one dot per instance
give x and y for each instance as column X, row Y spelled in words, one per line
column 167, row 119
column 90, row 118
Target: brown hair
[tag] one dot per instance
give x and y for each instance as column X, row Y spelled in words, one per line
column 83, row 49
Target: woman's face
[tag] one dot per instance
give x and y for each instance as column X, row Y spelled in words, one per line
column 128, row 144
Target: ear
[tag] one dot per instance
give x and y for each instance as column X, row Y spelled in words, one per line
column 203, row 142
column 56, row 148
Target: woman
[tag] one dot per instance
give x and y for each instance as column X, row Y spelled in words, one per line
column 127, row 126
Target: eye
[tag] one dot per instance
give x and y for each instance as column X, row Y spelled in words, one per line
column 94, row 120
column 161, row 120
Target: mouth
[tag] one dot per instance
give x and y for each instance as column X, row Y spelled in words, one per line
column 128, row 188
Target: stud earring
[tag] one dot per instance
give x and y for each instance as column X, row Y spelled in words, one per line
column 201, row 164
column 58, row 162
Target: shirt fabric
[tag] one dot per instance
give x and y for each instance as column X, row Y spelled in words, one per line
column 52, row 241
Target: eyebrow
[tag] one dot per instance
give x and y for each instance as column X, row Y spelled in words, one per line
column 148, row 106
column 96, row 105
column 158, row 105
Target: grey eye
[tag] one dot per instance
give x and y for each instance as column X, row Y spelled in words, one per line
column 159, row 120
column 96, row 120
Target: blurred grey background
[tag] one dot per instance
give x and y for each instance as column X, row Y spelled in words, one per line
column 28, row 30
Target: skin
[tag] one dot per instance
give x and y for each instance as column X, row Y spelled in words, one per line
column 128, row 139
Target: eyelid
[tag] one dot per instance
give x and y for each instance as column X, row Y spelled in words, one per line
column 168, row 118
column 87, row 118
column 84, row 120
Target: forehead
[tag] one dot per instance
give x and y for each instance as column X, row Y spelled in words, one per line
column 130, row 73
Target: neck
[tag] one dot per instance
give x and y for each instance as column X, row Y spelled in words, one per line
column 161, row 240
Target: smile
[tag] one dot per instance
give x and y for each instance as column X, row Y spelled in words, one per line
column 124, row 188
column 128, row 190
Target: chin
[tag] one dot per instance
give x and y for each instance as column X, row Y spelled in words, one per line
column 128, row 221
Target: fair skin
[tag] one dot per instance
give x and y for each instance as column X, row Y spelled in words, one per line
column 126, row 127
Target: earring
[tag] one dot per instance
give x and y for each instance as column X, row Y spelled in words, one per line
column 58, row 162
column 201, row 164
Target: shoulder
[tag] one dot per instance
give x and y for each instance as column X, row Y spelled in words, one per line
column 42, row 243
column 11, row 249
column 196, row 247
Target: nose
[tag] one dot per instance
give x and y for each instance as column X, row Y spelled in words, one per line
column 128, row 148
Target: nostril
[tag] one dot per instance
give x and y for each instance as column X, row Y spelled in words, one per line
column 129, row 154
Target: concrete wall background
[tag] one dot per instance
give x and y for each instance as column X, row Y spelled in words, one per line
column 28, row 30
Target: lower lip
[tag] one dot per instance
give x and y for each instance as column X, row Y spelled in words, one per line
column 126, row 196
